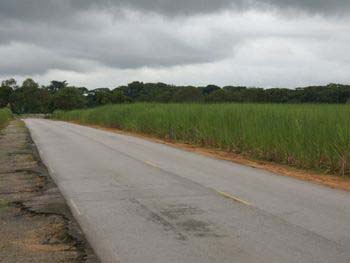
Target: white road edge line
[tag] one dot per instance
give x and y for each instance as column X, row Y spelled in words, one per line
column 51, row 170
column 75, row 207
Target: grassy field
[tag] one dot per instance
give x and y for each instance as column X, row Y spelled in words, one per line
column 5, row 117
column 313, row 137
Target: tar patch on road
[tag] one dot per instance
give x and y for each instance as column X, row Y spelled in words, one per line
column 184, row 220
column 36, row 224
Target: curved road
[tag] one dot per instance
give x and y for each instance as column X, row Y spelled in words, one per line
column 139, row 201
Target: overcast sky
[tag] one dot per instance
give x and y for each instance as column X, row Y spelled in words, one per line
column 107, row 43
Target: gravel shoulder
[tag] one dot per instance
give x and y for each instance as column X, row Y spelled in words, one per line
column 36, row 224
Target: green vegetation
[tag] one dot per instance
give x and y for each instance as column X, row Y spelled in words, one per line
column 30, row 97
column 5, row 117
column 313, row 137
column 290, row 131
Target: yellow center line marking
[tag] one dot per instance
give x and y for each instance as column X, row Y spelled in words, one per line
column 226, row 195
column 151, row 164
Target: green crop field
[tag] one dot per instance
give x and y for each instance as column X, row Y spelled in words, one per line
column 5, row 117
column 313, row 137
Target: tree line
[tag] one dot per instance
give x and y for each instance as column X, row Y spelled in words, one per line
column 30, row 97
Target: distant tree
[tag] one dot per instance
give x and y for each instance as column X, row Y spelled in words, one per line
column 55, row 86
column 17, row 102
column 133, row 90
column 29, row 98
column 188, row 94
column 234, row 88
column 69, row 98
column 165, row 96
column 12, row 83
column 103, row 96
column 83, row 90
column 209, row 89
column 277, row 95
column 119, row 97
column 99, row 97
column 253, row 95
column 5, row 93
column 217, row 96
column 6, row 90
column 30, row 84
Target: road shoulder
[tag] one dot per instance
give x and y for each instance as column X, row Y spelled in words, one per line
column 36, row 223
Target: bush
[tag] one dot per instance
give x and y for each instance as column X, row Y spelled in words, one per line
column 5, row 117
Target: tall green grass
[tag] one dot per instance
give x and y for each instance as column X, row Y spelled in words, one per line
column 5, row 117
column 305, row 136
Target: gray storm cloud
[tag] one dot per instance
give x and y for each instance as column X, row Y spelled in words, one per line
column 53, row 9
column 86, row 36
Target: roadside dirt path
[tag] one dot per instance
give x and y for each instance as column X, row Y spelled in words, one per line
column 36, row 224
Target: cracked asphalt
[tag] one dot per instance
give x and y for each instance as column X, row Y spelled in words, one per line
column 35, row 222
column 140, row 201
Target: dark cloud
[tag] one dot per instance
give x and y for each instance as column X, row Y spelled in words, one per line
column 100, row 39
column 326, row 7
column 84, row 36
column 48, row 10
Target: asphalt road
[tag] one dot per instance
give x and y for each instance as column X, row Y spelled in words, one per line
column 139, row 201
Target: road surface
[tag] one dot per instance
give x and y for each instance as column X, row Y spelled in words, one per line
column 140, row 201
